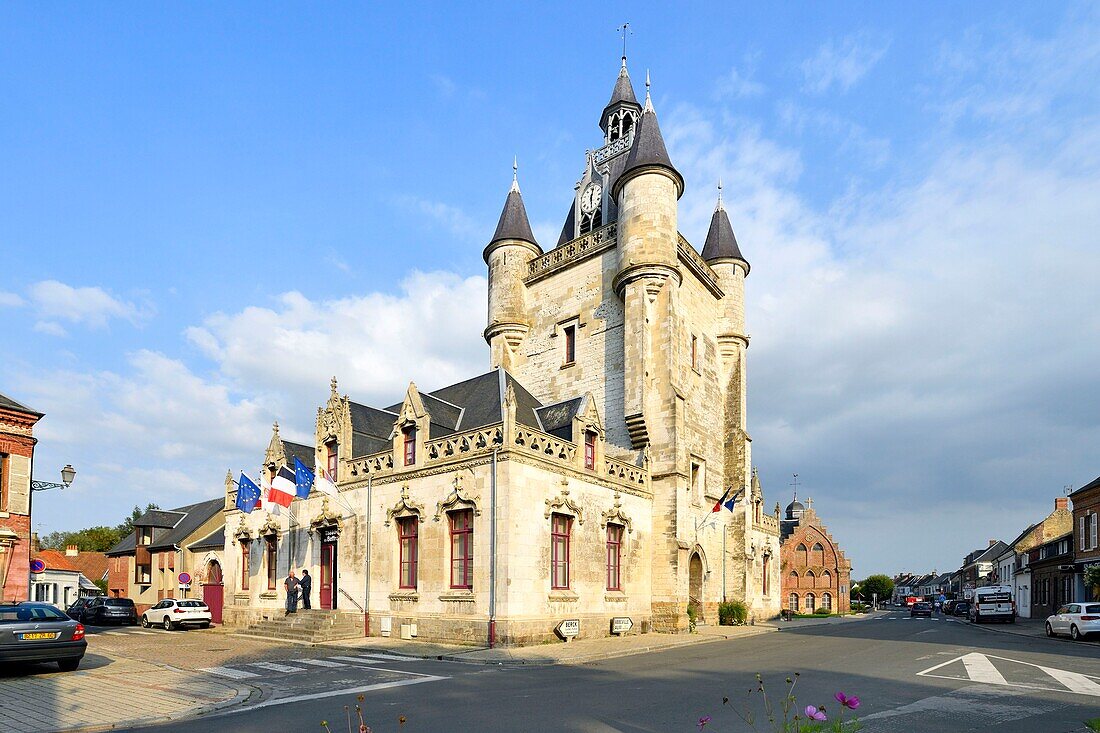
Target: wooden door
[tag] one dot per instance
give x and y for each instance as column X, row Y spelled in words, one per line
column 327, row 589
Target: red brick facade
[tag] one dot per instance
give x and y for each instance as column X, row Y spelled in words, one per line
column 815, row 572
column 16, row 452
column 1086, row 536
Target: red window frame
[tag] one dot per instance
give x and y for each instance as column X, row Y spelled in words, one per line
column 410, row 446
column 271, row 557
column 561, row 527
column 333, row 459
column 246, row 562
column 614, row 557
column 570, row 343
column 407, row 536
column 462, row 549
column 590, row 450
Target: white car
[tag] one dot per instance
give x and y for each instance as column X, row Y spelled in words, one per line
column 1075, row 619
column 172, row 613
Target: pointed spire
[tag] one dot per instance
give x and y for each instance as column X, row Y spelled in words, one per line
column 648, row 100
column 648, row 150
column 721, row 243
column 513, row 223
column 621, row 96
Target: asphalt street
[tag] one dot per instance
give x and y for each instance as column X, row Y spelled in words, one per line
column 914, row 675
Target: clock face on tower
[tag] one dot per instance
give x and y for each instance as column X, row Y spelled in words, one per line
column 590, row 198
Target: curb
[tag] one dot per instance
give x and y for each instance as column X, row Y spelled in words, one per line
column 241, row 696
column 1003, row 629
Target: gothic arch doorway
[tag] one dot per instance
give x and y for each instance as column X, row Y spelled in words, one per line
column 695, row 584
column 213, row 592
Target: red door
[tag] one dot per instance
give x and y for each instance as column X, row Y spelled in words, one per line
column 327, row 591
column 212, row 596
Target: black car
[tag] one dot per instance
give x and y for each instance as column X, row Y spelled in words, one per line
column 921, row 608
column 961, row 608
column 109, row 610
column 77, row 607
column 38, row 632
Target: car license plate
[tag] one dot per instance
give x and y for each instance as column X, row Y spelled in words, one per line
column 38, row 635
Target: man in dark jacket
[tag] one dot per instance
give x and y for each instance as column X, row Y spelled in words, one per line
column 307, row 585
column 291, row 585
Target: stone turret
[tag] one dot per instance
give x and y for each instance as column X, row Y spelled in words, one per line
column 507, row 255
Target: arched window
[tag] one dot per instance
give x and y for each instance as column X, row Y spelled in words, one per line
column 619, row 125
column 810, row 579
column 792, row 602
column 800, row 554
column 826, row 578
column 818, row 556
column 591, row 221
column 811, row 602
column 827, row 601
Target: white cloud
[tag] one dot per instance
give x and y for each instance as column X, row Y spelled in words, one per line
column 456, row 221
column 10, row 300
column 842, row 63
column 93, row 307
column 50, row 328
column 739, row 83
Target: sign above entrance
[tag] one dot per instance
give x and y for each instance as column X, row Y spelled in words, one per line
column 330, row 535
column 568, row 628
column 185, row 578
column 621, row 624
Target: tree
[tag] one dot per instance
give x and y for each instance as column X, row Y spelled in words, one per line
column 880, row 584
column 92, row 539
column 127, row 526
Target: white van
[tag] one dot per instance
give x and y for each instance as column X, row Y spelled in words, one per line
column 993, row 603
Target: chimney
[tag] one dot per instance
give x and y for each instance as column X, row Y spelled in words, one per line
column 72, row 550
column 35, row 546
column 992, row 542
column 1061, row 503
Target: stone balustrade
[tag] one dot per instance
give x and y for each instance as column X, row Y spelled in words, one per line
column 571, row 252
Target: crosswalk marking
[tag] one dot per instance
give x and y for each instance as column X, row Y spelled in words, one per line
column 980, row 669
column 233, row 674
column 357, row 660
column 276, row 667
column 321, row 663
column 391, row 657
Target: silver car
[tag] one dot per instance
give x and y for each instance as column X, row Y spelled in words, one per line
column 39, row 632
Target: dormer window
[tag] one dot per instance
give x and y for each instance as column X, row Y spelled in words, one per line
column 145, row 535
column 410, row 445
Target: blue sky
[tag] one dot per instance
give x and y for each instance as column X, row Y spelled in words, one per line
column 205, row 212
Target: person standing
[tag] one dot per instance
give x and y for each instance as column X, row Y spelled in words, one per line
column 307, row 585
column 291, row 585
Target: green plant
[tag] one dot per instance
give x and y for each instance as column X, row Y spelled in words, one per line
column 732, row 613
column 786, row 716
column 822, row 611
column 1094, row 723
column 1092, row 578
column 693, row 618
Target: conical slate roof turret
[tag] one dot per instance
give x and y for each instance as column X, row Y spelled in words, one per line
column 648, row 151
column 513, row 223
column 621, row 96
column 721, row 243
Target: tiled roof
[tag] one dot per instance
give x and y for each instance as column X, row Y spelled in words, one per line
column 9, row 404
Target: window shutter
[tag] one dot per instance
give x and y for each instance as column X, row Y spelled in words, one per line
column 1092, row 538
column 1081, row 527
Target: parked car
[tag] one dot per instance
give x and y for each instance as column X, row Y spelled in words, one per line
column 993, row 603
column 102, row 610
column 921, row 608
column 1075, row 619
column 172, row 613
column 949, row 607
column 39, row 632
column 961, row 608
column 77, row 607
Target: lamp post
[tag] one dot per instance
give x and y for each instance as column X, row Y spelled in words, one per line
column 68, row 474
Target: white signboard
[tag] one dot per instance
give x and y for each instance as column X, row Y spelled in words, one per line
column 569, row 628
column 621, row 624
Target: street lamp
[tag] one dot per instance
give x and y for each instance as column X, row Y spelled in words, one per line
column 68, row 474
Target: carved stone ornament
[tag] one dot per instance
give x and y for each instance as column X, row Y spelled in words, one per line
column 242, row 532
column 616, row 515
column 404, row 507
column 562, row 501
column 458, row 498
column 270, row 527
column 326, row 519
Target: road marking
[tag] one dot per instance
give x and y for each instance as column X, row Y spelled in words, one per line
column 320, row 663
column 358, row 660
column 414, row 679
column 233, row 674
column 980, row 669
column 1075, row 681
column 276, row 667
column 392, row 657
column 144, row 633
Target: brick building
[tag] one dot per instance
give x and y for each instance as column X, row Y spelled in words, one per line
column 16, row 452
column 815, row 572
column 1086, row 536
column 1052, row 577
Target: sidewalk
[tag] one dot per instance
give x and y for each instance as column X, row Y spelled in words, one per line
column 107, row 692
column 1030, row 627
column 573, row 652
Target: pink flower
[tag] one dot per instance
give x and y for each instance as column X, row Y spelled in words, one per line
column 849, row 702
column 814, row 714
column 703, row 721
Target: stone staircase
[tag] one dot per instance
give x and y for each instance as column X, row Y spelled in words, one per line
column 309, row 627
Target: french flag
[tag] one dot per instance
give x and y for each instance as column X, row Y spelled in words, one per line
column 283, row 488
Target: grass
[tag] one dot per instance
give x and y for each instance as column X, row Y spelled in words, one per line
column 1093, row 724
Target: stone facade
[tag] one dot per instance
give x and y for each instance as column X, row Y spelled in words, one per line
column 613, row 423
column 815, row 572
column 16, row 453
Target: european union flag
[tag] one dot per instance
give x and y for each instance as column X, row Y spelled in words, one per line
column 248, row 494
column 303, row 479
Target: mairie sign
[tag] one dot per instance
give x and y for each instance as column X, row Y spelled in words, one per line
column 621, row 624
column 569, row 628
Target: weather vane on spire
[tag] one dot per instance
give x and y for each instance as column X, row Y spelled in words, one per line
column 515, row 172
column 624, row 29
column 795, row 485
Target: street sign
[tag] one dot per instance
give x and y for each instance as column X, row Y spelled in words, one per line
column 621, row 624
column 38, row 566
column 185, row 578
column 569, row 628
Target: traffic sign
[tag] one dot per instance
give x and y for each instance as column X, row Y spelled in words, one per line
column 621, row 624
column 568, row 628
column 38, row 566
column 185, row 578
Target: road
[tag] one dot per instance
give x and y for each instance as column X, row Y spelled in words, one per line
column 914, row 675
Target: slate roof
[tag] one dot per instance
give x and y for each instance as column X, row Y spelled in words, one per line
column 513, row 222
column 558, row 419
column 1090, row 485
column 648, row 150
column 215, row 539
column 125, row 546
column 164, row 518
column 721, row 243
column 621, row 95
column 307, row 454
column 370, row 429
column 9, row 404
column 189, row 519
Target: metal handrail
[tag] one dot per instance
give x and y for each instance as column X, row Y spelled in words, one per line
column 345, row 594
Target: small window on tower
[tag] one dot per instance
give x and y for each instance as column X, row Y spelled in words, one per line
column 570, row 333
column 695, row 352
column 697, row 480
